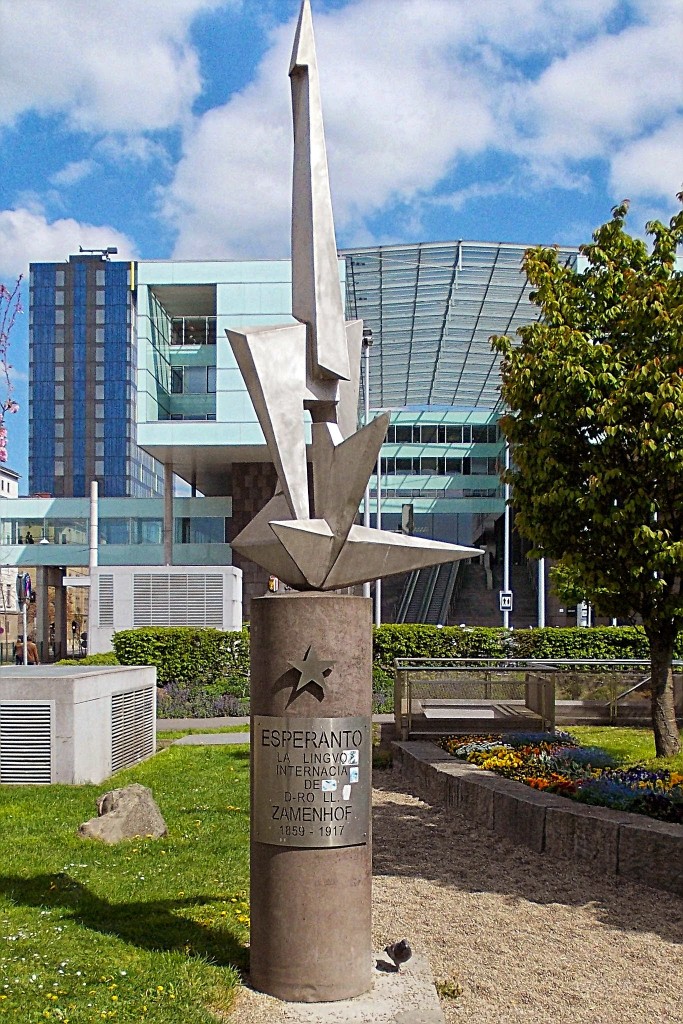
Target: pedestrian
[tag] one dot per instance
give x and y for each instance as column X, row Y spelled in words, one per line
column 19, row 651
column 32, row 652
column 29, row 537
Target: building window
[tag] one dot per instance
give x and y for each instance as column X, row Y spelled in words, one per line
column 194, row 380
column 59, row 316
column 99, row 316
column 99, row 278
column 59, row 278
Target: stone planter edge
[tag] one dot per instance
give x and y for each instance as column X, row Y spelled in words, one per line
column 597, row 839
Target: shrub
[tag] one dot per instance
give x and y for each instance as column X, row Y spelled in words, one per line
column 184, row 654
column 106, row 658
column 179, row 700
column 420, row 641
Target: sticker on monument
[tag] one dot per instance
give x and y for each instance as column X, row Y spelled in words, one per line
column 350, row 757
column 346, row 793
column 329, row 785
column 353, row 775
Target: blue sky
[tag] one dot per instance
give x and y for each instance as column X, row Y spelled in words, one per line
column 163, row 126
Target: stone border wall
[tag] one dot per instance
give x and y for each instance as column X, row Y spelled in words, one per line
column 597, row 839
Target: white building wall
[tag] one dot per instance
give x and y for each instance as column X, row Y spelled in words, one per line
column 126, row 597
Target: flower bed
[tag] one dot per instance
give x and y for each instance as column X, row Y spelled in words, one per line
column 556, row 763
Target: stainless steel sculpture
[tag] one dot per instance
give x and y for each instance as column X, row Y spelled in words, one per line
column 314, row 365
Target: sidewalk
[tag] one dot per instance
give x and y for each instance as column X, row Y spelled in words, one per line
column 216, row 738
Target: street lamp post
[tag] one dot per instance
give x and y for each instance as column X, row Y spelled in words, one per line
column 367, row 345
column 506, row 542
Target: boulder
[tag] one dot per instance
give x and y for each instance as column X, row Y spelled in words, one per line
column 124, row 814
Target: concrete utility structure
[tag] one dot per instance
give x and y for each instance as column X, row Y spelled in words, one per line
column 74, row 725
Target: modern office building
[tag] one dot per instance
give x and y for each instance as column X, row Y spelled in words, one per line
column 82, row 363
column 133, row 383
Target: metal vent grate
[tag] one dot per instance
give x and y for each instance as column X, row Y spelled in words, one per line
column 26, row 742
column 132, row 727
column 106, row 600
column 179, row 599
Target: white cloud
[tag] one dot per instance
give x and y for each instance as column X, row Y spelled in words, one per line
column 110, row 66
column 653, row 166
column 73, row 172
column 132, row 149
column 27, row 236
column 616, row 87
column 412, row 91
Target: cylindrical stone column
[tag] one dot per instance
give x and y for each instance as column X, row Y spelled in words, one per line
column 311, row 727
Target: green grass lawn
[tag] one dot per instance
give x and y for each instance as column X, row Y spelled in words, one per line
column 627, row 745
column 175, row 734
column 149, row 930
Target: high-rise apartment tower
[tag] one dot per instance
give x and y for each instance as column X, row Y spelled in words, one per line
column 82, row 387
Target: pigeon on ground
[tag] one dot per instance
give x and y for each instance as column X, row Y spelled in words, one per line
column 399, row 952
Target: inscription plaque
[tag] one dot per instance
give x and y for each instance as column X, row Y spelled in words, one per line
column 312, row 780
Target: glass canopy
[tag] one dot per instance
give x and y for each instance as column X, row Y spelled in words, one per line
column 432, row 308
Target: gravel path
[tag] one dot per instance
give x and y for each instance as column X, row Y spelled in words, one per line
column 530, row 940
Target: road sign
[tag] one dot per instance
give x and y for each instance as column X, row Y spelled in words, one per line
column 505, row 599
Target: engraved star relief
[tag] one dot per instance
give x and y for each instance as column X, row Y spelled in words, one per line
column 312, row 671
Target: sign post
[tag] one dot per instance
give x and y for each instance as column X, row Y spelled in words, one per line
column 23, row 597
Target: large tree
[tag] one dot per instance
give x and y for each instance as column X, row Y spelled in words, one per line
column 595, row 397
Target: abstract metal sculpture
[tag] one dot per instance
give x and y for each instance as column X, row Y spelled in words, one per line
column 314, row 365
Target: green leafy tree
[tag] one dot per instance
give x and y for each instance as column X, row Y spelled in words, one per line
column 595, row 399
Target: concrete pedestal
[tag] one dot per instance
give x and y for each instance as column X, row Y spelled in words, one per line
column 311, row 903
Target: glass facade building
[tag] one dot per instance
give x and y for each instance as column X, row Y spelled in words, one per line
column 131, row 372
column 433, row 308
column 82, row 385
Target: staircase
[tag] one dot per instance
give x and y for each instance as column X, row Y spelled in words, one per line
column 477, row 606
column 427, row 594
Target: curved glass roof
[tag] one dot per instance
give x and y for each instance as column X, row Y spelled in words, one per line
column 432, row 308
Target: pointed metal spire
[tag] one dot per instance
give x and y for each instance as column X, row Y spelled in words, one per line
column 316, row 291
column 306, row 366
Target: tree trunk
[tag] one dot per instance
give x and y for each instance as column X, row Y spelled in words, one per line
column 665, row 728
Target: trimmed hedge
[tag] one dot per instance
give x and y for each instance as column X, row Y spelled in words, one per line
column 184, row 654
column 419, row 641
column 106, row 658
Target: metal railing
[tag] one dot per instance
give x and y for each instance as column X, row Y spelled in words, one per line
column 534, row 683
column 48, row 653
